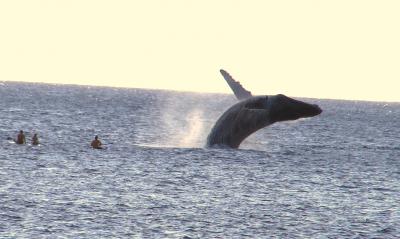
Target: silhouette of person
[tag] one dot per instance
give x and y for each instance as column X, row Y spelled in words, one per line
column 35, row 140
column 20, row 138
column 96, row 143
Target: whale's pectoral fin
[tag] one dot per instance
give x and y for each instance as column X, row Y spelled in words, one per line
column 240, row 92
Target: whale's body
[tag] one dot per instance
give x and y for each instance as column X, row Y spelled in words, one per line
column 253, row 113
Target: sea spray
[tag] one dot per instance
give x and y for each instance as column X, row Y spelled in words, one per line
column 193, row 129
column 181, row 126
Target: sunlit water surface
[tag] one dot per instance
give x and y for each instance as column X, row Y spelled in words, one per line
column 336, row 175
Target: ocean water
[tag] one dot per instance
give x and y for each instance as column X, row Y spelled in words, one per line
column 336, row 175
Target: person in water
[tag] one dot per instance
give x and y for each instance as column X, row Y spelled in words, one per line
column 35, row 140
column 20, row 138
column 96, row 143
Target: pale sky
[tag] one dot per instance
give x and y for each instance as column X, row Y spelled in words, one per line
column 341, row 49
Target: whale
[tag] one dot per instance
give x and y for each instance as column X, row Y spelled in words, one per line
column 252, row 113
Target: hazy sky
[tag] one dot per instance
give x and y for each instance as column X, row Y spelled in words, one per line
column 347, row 49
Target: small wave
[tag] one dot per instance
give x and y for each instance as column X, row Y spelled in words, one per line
column 348, row 186
column 387, row 230
column 383, row 189
column 381, row 147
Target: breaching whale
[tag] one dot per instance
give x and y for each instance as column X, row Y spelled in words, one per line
column 254, row 113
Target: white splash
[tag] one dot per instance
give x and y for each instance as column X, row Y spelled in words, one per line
column 193, row 129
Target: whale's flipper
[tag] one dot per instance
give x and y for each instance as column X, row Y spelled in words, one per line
column 240, row 92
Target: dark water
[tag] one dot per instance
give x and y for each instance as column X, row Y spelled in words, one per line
column 333, row 176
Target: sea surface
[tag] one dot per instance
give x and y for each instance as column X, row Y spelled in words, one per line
column 336, row 175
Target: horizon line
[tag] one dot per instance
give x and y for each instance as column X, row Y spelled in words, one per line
column 2, row 82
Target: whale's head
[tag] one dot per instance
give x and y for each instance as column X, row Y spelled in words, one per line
column 284, row 108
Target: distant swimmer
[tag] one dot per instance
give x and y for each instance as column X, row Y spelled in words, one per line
column 35, row 140
column 20, row 138
column 96, row 143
